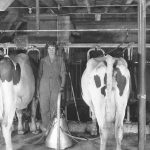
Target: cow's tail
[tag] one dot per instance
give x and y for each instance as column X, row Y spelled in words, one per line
column 110, row 62
column 1, row 107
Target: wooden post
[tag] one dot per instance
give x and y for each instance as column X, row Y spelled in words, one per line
column 5, row 4
column 142, row 59
column 63, row 23
column 37, row 15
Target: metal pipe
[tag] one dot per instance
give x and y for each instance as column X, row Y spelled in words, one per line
column 75, row 6
column 85, row 13
column 73, row 30
column 58, row 119
column 78, row 46
column 142, row 59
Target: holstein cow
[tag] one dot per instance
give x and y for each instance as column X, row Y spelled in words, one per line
column 105, row 88
column 10, row 74
column 17, row 86
column 25, row 90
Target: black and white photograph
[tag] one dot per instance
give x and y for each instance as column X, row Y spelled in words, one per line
column 74, row 74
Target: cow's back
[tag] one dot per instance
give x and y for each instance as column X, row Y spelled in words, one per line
column 26, row 87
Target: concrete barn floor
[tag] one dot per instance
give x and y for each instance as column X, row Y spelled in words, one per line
column 29, row 142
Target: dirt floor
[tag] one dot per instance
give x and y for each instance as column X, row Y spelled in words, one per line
column 29, row 142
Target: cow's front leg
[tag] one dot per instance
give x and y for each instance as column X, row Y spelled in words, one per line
column 20, row 124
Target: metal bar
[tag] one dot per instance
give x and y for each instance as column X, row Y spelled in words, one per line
column 77, row 46
column 142, row 59
column 73, row 30
column 75, row 6
column 37, row 15
column 102, row 45
column 102, row 13
column 84, row 13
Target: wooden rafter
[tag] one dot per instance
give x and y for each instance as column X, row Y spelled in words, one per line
column 4, row 4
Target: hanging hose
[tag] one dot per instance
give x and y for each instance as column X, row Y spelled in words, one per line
column 74, row 97
column 76, row 138
column 41, row 137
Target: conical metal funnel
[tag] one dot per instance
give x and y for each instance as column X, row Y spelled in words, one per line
column 57, row 138
column 52, row 137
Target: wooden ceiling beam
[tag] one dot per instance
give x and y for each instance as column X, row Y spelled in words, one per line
column 51, row 3
column 29, row 3
column 4, row 4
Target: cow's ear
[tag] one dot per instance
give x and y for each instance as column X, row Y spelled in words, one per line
column 16, row 74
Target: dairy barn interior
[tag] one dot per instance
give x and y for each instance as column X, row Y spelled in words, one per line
column 82, row 29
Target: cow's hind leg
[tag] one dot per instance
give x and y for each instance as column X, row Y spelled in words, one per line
column 101, row 119
column 94, row 121
column 103, row 132
column 33, row 127
column 120, row 114
column 119, row 129
column 88, row 101
column 6, row 129
column 20, row 124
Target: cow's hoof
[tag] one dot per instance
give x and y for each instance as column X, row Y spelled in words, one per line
column 94, row 132
column 36, row 132
column 32, row 127
column 21, row 132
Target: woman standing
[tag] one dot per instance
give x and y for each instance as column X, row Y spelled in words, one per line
column 51, row 80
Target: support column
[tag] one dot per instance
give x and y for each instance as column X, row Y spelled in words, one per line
column 37, row 15
column 4, row 4
column 142, row 60
column 63, row 23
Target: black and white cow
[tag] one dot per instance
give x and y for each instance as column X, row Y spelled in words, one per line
column 17, row 87
column 105, row 87
column 10, row 74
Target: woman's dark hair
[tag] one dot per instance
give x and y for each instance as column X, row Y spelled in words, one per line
column 51, row 44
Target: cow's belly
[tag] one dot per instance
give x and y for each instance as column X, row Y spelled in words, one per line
column 25, row 92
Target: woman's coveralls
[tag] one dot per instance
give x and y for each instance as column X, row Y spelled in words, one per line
column 52, row 77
